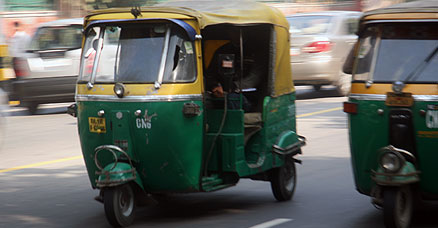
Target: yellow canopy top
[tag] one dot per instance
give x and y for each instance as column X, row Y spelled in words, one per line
column 216, row 12
column 242, row 12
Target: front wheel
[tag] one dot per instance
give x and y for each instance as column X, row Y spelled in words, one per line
column 283, row 180
column 119, row 203
column 397, row 207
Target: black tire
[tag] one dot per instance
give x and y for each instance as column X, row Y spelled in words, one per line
column 397, row 207
column 284, row 181
column 119, row 203
column 317, row 87
column 32, row 107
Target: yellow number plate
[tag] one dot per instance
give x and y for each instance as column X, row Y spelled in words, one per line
column 97, row 124
column 401, row 100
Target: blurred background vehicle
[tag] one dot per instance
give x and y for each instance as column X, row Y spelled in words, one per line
column 320, row 42
column 48, row 72
column 3, row 108
column 6, row 72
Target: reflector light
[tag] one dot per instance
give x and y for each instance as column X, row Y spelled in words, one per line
column 350, row 107
column 317, row 47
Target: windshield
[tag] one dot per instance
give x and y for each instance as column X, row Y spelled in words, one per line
column 65, row 37
column 398, row 52
column 309, row 25
column 132, row 53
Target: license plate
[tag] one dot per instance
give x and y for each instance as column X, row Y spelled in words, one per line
column 97, row 124
column 400, row 100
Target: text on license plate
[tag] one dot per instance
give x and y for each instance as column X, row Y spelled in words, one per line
column 97, row 124
column 401, row 100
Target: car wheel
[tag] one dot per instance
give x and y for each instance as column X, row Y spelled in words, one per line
column 343, row 85
column 317, row 87
column 32, row 107
column 397, row 207
column 119, row 204
column 284, row 180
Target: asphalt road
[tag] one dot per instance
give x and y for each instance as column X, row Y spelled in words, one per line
column 43, row 181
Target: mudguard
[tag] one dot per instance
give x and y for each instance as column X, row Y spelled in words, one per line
column 408, row 174
column 289, row 143
column 117, row 174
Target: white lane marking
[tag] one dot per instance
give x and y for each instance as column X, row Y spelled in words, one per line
column 272, row 223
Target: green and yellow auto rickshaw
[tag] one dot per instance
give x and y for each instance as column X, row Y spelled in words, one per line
column 393, row 108
column 148, row 124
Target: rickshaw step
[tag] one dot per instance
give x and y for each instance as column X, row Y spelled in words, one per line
column 213, row 183
column 206, row 181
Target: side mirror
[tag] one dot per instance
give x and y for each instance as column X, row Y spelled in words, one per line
column 72, row 110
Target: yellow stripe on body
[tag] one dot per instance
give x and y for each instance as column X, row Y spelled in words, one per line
column 377, row 88
column 142, row 89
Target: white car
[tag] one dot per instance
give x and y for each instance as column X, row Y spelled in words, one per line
column 320, row 42
column 51, row 65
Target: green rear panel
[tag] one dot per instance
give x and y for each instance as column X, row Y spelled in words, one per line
column 166, row 146
column 230, row 153
column 369, row 132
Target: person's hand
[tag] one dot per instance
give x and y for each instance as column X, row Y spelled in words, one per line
column 218, row 91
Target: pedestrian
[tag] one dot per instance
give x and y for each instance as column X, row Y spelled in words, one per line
column 18, row 44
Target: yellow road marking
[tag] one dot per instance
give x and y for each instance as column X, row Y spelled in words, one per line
column 319, row 112
column 40, row 164
column 78, row 157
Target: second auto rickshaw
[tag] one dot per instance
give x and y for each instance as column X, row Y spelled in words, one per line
column 147, row 121
column 393, row 108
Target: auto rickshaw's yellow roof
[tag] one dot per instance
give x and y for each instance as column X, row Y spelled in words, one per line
column 412, row 8
column 217, row 12
column 238, row 12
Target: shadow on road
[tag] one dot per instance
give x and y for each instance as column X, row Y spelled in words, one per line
column 307, row 92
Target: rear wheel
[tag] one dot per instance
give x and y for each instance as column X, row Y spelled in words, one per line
column 317, row 87
column 119, row 203
column 283, row 180
column 397, row 207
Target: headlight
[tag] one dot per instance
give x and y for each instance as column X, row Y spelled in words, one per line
column 391, row 161
column 119, row 89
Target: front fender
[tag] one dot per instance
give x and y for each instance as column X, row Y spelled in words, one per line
column 117, row 174
column 408, row 174
column 289, row 142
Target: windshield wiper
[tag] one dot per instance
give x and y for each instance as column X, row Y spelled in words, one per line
column 420, row 67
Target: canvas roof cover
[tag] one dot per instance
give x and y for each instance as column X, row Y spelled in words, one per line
column 423, row 6
column 241, row 12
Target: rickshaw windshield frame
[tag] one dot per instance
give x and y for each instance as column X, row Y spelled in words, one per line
column 172, row 35
column 385, row 51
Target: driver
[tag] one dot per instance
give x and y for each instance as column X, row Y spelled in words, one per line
column 220, row 84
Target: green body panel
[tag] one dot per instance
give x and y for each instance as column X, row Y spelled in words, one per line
column 369, row 131
column 118, row 174
column 231, row 155
column 166, row 151
column 170, row 151
column 399, row 178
